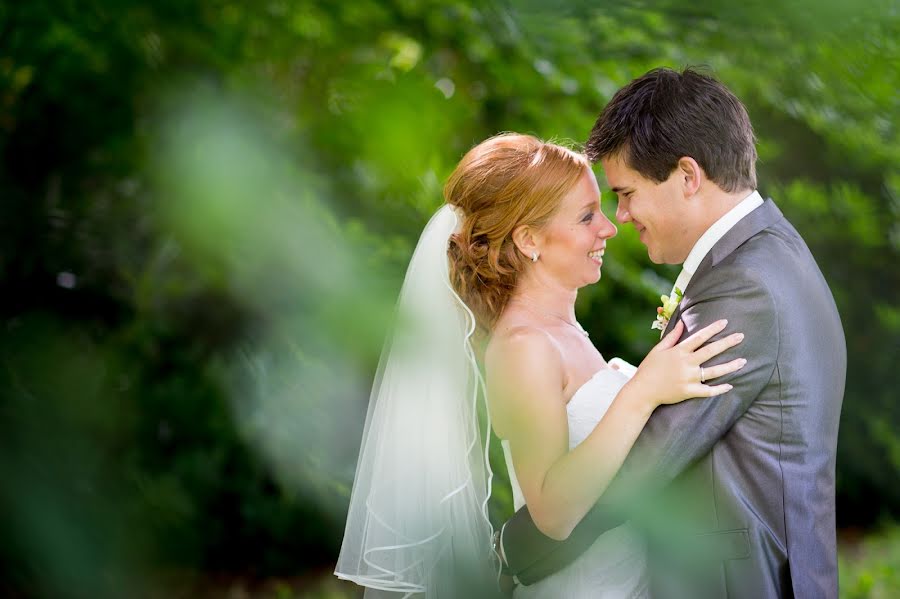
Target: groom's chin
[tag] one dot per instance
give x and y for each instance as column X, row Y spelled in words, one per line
column 657, row 257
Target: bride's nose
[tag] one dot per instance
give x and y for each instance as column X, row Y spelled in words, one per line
column 607, row 228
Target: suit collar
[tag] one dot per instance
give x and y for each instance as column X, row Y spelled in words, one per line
column 761, row 218
column 718, row 230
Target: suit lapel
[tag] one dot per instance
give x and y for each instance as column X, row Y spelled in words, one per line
column 759, row 219
column 674, row 318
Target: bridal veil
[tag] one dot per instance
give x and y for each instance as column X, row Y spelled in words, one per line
column 418, row 518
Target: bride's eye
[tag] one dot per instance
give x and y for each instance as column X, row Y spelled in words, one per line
column 588, row 217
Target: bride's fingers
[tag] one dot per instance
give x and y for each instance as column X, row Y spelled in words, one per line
column 710, row 390
column 703, row 335
column 718, row 389
column 715, row 348
column 714, row 372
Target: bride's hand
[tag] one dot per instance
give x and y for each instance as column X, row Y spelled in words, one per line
column 671, row 371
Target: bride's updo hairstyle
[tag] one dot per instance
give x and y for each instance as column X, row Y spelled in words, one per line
column 503, row 182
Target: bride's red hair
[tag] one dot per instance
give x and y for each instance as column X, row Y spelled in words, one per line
column 505, row 181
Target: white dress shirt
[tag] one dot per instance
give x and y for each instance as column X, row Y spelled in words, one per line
column 713, row 234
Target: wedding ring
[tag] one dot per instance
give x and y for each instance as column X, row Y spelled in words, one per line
column 702, row 375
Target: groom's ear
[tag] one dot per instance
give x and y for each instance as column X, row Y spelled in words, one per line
column 691, row 175
column 524, row 238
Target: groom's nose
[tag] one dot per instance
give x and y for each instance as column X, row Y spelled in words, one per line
column 622, row 213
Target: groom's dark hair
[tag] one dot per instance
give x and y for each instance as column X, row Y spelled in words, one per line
column 664, row 115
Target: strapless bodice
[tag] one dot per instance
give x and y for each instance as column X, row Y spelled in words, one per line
column 584, row 410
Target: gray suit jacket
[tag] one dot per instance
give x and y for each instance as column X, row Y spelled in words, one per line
column 735, row 493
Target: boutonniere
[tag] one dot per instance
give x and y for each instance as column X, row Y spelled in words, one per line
column 665, row 311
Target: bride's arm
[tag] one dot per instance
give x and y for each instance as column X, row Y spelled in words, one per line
column 525, row 386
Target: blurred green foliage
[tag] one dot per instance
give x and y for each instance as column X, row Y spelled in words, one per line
column 206, row 208
column 868, row 567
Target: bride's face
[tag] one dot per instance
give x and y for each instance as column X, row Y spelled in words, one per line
column 573, row 242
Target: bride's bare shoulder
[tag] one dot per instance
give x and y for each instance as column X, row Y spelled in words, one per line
column 515, row 339
column 519, row 353
column 524, row 370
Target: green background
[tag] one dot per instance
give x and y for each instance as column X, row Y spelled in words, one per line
column 206, row 208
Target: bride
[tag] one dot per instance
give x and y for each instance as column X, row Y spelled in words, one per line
column 520, row 233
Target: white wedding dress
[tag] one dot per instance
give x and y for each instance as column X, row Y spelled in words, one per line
column 614, row 567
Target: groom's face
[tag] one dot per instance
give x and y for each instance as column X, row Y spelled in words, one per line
column 657, row 210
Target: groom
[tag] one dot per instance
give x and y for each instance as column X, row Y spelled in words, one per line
column 735, row 493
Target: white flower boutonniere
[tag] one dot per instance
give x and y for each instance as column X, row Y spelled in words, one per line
column 664, row 312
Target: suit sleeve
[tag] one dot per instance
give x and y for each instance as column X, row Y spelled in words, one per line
column 675, row 436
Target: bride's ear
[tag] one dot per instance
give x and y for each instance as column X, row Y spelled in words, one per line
column 524, row 238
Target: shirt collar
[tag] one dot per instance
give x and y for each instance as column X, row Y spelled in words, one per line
column 713, row 234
